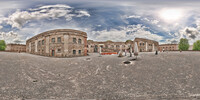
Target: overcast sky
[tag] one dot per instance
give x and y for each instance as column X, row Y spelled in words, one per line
column 165, row 21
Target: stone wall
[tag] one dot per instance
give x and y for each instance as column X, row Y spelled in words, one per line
column 58, row 43
column 144, row 45
column 107, row 46
column 16, row 48
column 168, row 47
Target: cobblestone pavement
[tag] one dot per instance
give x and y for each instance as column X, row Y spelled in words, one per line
column 167, row 76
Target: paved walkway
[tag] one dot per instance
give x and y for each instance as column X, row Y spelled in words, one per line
column 172, row 75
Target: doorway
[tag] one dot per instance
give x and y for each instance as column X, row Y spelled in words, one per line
column 53, row 53
column 95, row 48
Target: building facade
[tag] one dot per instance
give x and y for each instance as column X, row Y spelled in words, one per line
column 16, row 48
column 146, row 45
column 107, row 46
column 168, row 47
column 58, row 43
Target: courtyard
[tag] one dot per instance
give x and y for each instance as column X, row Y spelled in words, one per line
column 168, row 75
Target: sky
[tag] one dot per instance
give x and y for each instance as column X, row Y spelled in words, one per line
column 165, row 21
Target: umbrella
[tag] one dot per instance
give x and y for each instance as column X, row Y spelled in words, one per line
column 135, row 50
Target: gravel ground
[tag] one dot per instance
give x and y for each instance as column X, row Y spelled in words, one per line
column 167, row 76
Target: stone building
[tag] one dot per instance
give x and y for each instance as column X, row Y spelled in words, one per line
column 16, row 48
column 146, row 45
column 168, row 47
column 107, row 46
column 58, row 43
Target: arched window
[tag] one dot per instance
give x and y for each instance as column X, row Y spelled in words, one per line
column 74, row 52
column 79, row 51
column 79, row 41
column 74, row 40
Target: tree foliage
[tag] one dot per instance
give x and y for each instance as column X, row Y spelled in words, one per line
column 108, row 41
column 127, row 41
column 183, row 44
column 2, row 45
column 196, row 45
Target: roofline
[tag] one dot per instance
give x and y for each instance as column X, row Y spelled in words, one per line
column 167, row 44
column 58, row 30
column 146, row 39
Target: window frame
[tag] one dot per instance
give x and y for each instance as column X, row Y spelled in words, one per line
column 74, row 52
column 79, row 51
column 38, row 42
column 42, row 42
column 79, row 41
column 59, row 50
column 59, row 38
column 74, row 40
column 52, row 40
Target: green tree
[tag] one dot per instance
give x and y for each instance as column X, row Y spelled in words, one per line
column 196, row 45
column 183, row 44
column 127, row 41
column 2, row 45
column 108, row 41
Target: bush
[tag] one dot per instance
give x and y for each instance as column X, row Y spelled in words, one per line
column 2, row 45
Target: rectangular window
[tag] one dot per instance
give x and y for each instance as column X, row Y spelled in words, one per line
column 59, row 39
column 79, row 41
column 42, row 42
column 38, row 42
column 106, row 46
column 59, row 50
column 74, row 52
column 53, row 40
column 74, row 40
column 79, row 51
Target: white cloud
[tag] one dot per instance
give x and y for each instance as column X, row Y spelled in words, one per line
column 190, row 32
column 154, row 21
column 54, row 6
column 198, row 23
column 9, row 37
column 19, row 18
column 82, row 13
column 1, row 27
column 133, row 16
column 139, row 17
column 146, row 19
column 9, row 5
column 129, row 32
